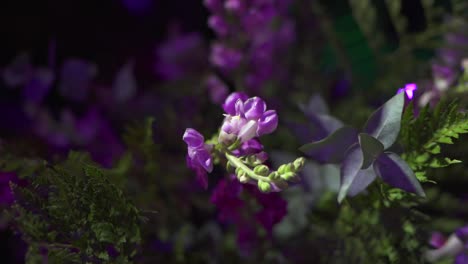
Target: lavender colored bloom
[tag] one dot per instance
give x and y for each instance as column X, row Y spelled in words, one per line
column 462, row 233
column 250, row 120
column 199, row 157
column 254, row 108
column 231, row 100
column 227, row 59
column 267, row 123
column 218, row 24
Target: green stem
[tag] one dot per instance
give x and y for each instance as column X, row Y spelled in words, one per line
column 239, row 164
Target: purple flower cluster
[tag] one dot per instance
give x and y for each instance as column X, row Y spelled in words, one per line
column 199, row 157
column 446, row 67
column 253, row 34
column 246, row 118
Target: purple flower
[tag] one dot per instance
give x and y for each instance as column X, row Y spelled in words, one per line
column 180, row 55
column 217, row 89
column 199, row 156
column 454, row 246
column 273, row 211
column 254, row 108
column 236, row 6
column 214, row 5
column 267, row 123
column 227, row 59
column 409, row 90
column 218, row 24
column 230, row 102
column 250, row 120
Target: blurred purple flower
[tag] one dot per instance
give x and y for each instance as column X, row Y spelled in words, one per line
column 76, row 78
column 453, row 246
column 199, row 157
column 35, row 82
column 180, row 55
column 227, row 59
column 217, row 89
column 274, row 208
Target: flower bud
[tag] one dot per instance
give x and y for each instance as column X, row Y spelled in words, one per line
column 274, row 176
column 264, row 186
column 239, row 171
column 244, row 178
column 290, row 176
column 262, row 170
column 254, row 108
column 282, row 169
column 299, row 164
column 230, row 102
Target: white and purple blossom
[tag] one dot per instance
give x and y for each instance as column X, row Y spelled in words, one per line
column 246, row 119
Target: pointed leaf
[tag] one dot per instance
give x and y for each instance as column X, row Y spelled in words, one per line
column 384, row 123
column 350, row 168
column 362, row 180
column 396, row 172
column 332, row 148
column 371, row 149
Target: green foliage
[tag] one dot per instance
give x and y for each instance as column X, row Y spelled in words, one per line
column 422, row 136
column 72, row 213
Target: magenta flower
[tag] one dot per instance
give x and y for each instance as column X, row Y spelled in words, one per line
column 454, row 246
column 409, row 90
column 250, row 120
column 229, row 105
column 199, row 156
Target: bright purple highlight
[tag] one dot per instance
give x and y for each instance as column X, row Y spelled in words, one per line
column 409, row 90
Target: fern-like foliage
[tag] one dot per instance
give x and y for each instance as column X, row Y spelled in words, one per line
column 423, row 136
column 71, row 213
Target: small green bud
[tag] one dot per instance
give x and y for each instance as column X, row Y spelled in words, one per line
column 239, row 171
column 251, row 160
column 282, row 169
column 262, row 170
column 264, row 186
column 274, row 176
column 241, row 174
column 243, row 178
column 299, row 164
column 290, row 176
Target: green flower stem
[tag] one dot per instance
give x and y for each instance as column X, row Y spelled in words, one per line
column 239, row 164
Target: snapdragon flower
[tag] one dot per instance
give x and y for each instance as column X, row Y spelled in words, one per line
column 250, row 119
column 198, row 157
